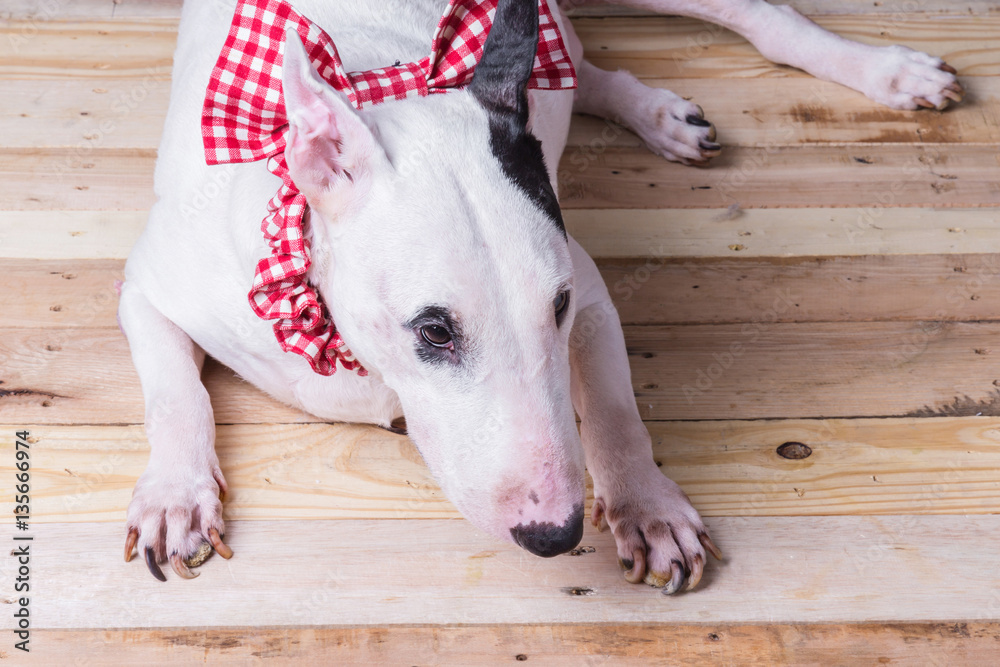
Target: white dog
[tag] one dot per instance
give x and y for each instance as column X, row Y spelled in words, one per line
column 438, row 249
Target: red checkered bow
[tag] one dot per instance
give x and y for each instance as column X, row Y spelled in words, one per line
column 243, row 120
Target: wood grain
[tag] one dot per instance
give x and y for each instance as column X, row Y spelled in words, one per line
column 85, row 376
column 42, row 10
column 793, row 111
column 654, row 290
column 660, row 47
column 633, row 178
column 780, row 370
column 650, row 234
column 729, row 468
column 830, row 370
column 799, row 176
column 69, row 235
column 316, row 573
column 761, row 645
column 129, row 113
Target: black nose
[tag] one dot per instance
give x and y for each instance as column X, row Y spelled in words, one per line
column 547, row 539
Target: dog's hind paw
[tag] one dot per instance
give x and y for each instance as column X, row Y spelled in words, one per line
column 676, row 129
column 902, row 78
column 176, row 517
column 661, row 538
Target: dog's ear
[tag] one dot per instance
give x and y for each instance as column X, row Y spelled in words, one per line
column 328, row 147
column 501, row 79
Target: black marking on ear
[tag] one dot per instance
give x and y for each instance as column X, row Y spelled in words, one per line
column 500, row 84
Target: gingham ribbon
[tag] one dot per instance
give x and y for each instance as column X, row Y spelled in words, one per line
column 243, row 120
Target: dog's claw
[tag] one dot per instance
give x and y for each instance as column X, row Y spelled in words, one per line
column 924, row 103
column 133, row 537
column 180, row 568
column 151, row 564
column 945, row 67
column 220, row 547
column 707, row 542
column 637, row 572
column 678, row 574
column 697, row 569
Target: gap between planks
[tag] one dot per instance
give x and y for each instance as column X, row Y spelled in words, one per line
column 313, row 573
column 730, row 468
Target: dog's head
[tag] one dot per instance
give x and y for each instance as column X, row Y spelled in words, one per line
column 445, row 264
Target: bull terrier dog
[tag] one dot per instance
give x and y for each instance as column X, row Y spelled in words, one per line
column 432, row 237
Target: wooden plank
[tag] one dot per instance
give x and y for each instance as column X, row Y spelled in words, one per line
column 51, row 10
column 762, row 645
column 129, row 113
column 869, row 369
column 85, row 376
column 828, row 8
column 864, row 288
column 730, row 468
column 776, row 232
column 793, row 111
column 609, row 233
column 69, row 235
column 659, row 47
column 793, row 176
column 288, row 573
column 142, row 48
column 60, row 294
column 47, row 10
column 774, row 177
column 764, row 370
column 85, row 114
column 652, row 290
column 76, row 179
column 648, row 46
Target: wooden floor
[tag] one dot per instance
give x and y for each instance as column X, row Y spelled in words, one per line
column 850, row 251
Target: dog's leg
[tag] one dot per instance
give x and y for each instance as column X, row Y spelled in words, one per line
column 896, row 76
column 671, row 126
column 176, row 505
column 660, row 537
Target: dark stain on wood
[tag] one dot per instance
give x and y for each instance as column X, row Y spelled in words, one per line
column 803, row 113
column 963, row 406
column 578, row 591
column 5, row 393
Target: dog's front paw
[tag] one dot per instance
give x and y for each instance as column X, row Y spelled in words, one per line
column 902, row 78
column 676, row 129
column 661, row 538
column 176, row 515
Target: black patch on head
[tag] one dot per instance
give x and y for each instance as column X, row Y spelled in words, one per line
column 438, row 316
column 501, row 86
column 520, row 157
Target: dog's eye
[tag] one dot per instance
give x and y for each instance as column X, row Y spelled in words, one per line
column 560, row 304
column 435, row 335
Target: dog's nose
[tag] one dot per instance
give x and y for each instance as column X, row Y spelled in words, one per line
column 547, row 539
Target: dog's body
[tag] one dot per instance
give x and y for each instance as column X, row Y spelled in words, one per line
column 429, row 232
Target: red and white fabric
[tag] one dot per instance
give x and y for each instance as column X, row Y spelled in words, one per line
column 243, row 120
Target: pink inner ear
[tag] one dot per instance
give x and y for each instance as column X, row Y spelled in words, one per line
column 313, row 148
